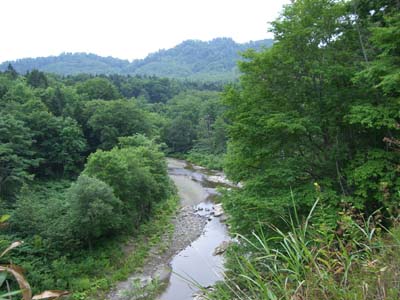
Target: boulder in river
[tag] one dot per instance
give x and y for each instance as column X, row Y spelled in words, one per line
column 223, row 218
column 218, row 210
column 221, row 248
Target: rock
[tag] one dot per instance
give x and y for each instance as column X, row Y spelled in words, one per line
column 141, row 281
column 163, row 274
column 221, row 248
column 218, row 210
column 201, row 295
column 223, row 218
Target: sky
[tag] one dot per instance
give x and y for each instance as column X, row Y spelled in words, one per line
column 127, row 29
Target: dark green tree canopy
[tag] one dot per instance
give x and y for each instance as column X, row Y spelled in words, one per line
column 16, row 155
column 98, row 88
column 317, row 108
column 94, row 209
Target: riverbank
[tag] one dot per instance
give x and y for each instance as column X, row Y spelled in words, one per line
column 188, row 251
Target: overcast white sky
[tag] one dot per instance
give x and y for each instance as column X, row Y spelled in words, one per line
column 126, row 29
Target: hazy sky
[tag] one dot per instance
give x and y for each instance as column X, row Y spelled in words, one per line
column 126, row 28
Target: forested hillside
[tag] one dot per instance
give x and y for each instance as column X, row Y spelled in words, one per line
column 310, row 132
column 314, row 137
column 82, row 170
column 195, row 60
column 212, row 61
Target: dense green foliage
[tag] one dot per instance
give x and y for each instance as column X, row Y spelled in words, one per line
column 311, row 262
column 88, row 272
column 15, row 155
column 315, row 110
column 94, row 209
column 137, row 175
column 81, row 168
column 196, row 60
column 317, row 117
column 210, row 61
column 191, row 116
column 107, row 120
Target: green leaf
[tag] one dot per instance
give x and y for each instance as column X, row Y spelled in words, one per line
column 4, row 218
column 6, row 296
column 3, row 276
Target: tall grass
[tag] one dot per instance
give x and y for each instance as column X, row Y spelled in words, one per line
column 310, row 262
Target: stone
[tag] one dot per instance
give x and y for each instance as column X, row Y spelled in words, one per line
column 141, row 281
column 163, row 274
column 221, row 248
column 223, row 218
column 218, row 210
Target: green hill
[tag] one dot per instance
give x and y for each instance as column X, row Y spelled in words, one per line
column 192, row 59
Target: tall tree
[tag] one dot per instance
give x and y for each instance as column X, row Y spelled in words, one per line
column 37, row 79
column 11, row 72
column 108, row 120
column 98, row 88
column 16, row 155
column 293, row 120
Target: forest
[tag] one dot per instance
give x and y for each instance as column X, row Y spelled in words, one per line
column 73, row 152
column 311, row 131
column 314, row 136
column 210, row 61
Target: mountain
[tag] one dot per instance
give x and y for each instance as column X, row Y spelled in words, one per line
column 69, row 63
column 192, row 59
column 215, row 60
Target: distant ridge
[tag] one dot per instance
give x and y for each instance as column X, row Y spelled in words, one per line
column 214, row 60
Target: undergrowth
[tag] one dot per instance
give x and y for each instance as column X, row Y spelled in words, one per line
column 90, row 273
column 210, row 161
column 358, row 261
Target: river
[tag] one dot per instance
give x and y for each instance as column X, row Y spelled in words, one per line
column 196, row 265
column 197, row 233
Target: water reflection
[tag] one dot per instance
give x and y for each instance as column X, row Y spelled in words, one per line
column 196, row 265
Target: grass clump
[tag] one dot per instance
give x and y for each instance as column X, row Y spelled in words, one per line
column 358, row 260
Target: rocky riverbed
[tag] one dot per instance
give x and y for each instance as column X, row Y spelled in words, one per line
column 196, row 211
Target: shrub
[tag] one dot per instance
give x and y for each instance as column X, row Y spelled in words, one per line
column 94, row 209
column 137, row 175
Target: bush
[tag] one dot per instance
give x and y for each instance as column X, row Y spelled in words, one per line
column 137, row 175
column 43, row 212
column 313, row 261
column 94, row 209
column 210, row 161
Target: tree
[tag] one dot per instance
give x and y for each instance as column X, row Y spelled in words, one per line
column 98, row 88
column 131, row 178
column 54, row 99
column 153, row 159
column 16, row 155
column 11, row 72
column 295, row 119
column 37, row 79
column 60, row 143
column 191, row 117
column 179, row 135
column 373, row 173
column 94, row 209
column 108, row 120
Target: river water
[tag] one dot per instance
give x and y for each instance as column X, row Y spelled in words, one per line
column 196, row 265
